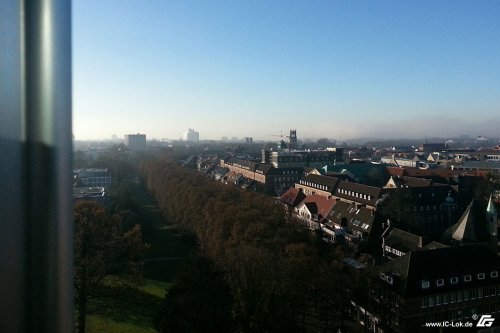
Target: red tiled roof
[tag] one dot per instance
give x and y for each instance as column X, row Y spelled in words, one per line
column 395, row 171
column 292, row 197
column 324, row 205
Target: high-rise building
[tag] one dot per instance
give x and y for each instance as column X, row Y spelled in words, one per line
column 293, row 139
column 191, row 135
column 135, row 141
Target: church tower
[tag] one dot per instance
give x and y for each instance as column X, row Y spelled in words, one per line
column 293, row 139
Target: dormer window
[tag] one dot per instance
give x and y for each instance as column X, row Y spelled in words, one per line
column 481, row 276
column 468, row 278
column 454, row 280
column 494, row 274
column 440, row 282
column 425, row 284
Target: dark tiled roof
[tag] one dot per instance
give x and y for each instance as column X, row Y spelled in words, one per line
column 329, row 182
column 481, row 164
column 443, row 173
column 410, row 270
column 343, row 176
column 372, row 193
column 360, row 219
column 221, row 171
column 292, row 197
column 416, row 182
column 403, row 241
column 307, row 170
column 243, row 163
column 433, row 245
column 265, row 168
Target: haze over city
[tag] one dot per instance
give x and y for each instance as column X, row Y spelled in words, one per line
column 337, row 69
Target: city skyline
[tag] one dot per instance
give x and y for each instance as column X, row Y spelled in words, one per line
column 339, row 70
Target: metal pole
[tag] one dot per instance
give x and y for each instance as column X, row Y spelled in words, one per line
column 12, row 217
column 36, row 142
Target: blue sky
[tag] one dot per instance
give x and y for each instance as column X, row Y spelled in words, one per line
column 337, row 69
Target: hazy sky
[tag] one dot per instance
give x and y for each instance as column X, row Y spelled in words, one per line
column 337, row 69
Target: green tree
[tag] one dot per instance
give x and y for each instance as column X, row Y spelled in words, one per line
column 102, row 248
column 199, row 301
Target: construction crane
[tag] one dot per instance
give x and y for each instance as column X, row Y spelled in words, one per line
column 279, row 135
column 292, row 138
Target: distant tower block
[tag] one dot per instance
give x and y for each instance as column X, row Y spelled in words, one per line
column 293, row 139
column 135, row 141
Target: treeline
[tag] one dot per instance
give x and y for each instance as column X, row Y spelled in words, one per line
column 257, row 272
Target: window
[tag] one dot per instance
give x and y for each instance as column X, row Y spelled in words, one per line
column 468, row 278
column 425, row 302
column 425, row 284
column 480, row 276
column 440, row 282
column 454, row 280
column 494, row 274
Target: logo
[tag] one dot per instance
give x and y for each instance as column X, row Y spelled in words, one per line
column 485, row 321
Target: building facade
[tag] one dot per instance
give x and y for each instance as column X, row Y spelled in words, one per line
column 92, row 178
column 429, row 286
column 302, row 158
column 135, row 142
column 191, row 135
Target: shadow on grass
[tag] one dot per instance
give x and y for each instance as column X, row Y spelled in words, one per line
column 126, row 304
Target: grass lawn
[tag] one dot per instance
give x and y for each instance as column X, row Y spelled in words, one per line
column 169, row 248
column 130, row 309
